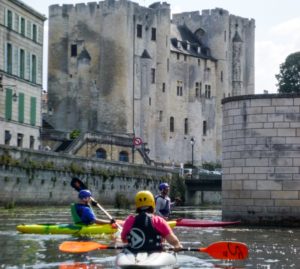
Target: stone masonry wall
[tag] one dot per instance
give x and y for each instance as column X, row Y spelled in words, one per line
column 261, row 158
column 37, row 177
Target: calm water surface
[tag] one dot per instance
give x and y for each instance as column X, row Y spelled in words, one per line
column 269, row 248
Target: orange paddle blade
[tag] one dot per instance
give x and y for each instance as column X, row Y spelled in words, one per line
column 227, row 250
column 78, row 247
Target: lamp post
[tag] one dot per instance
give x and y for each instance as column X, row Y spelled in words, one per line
column 193, row 143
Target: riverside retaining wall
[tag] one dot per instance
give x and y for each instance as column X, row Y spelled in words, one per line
column 39, row 177
column 261, row 158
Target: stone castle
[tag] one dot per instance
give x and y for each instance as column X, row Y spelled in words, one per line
column 121, row 68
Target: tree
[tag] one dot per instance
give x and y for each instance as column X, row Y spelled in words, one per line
column 289, row 76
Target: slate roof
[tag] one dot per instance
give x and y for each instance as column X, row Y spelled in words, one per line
column 184, row 41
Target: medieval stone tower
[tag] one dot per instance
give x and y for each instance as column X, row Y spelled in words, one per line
column 117, row 67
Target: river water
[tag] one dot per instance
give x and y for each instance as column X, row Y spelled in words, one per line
column 269, row 248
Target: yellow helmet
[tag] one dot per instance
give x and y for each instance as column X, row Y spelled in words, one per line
column 144, row 199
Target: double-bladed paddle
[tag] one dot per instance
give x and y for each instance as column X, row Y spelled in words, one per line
column 78, row 185
column 225, row 250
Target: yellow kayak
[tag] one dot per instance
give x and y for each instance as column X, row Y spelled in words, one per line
column 74, row 229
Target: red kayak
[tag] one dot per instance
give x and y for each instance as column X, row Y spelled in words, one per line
column 203, row 223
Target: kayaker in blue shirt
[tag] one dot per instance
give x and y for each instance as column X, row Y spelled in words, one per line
column 83, row 213
column 163, row 202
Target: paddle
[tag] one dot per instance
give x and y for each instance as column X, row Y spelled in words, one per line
column 78, row 185
column 226, row 250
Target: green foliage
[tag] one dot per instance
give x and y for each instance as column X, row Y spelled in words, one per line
column 289, row 76
column 177, row 188
column 74, row 134
column 121, row 201
column 211, row 166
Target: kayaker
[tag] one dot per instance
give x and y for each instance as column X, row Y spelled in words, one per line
column 82, row 211
column 163, row 201
column 145, row 232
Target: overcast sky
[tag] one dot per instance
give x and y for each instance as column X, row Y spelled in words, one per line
column 277, row 29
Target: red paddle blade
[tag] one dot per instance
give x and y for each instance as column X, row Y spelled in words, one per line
column 227, row 250
column 79, row 247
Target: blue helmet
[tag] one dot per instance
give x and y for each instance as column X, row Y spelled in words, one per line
column 163, row 186
column 84, row 194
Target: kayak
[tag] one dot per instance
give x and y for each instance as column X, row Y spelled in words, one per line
column 73, row 229
column 203, row 223
column 165, row 260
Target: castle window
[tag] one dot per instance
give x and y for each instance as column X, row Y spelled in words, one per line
column 31, row 142
column 152, row 75
column 221, row 76
column 139, row 30
column 20, row 140
column 7, row 137
column 101, row 153
column 179, row 88
column 185, row 58
column 149, row 101
column 224, row 36
column 160, row 115
column 186, row 126
column 178, row 56
column 199, row 62
column 207, row 91
column 123, row 156
column 204, row 127
column 168, row 65
column 163, row 87
column 73, row 50
column 197, row 89
column 171, row 124
column 153, row 34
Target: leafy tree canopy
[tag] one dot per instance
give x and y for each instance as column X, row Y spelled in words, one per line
column 289, row 76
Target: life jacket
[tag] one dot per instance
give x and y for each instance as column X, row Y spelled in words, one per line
column 166, row 210
column 76, row 212
column 143, row 237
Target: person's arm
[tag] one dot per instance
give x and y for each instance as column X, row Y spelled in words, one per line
column 166, row 232
column 174, row 241
column 102, row 221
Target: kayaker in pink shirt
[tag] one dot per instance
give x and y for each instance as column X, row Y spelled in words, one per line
column 145, row 232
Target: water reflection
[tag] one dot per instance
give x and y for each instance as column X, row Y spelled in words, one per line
column 269, row 248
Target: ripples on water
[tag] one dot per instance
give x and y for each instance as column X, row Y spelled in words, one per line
column 269, row 248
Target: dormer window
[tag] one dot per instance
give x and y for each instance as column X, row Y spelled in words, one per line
column 188, row 46
column 199, row 50
column 178, row 44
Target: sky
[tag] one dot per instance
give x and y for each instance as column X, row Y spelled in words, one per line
column 277, row 32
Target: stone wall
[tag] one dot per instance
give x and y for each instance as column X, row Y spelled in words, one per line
column 261, row 158
column 37, row 177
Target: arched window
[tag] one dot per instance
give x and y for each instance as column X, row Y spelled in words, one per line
column 171, row 124
column 101, row 153
column 123, row 156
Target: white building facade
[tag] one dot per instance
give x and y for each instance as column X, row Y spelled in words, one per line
column 21, row 61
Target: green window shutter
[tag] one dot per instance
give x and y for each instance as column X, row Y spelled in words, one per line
column 22, row 63
column 21, row 107
column 32, row 110
column 33, row 69
column 8, row 104
column 9, row 56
